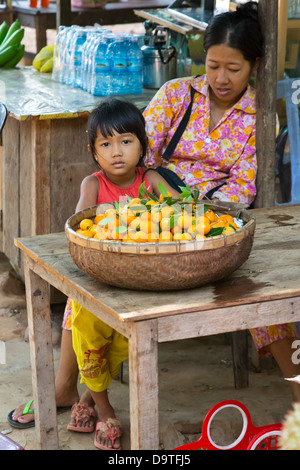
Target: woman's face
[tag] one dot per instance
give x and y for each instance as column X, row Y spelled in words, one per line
column 228, row 73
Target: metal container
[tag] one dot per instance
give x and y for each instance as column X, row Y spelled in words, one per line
column 159, row 65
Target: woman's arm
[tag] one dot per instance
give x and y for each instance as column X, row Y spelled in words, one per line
column 154, row 177
column 240, row 185
column 88, row 193
column 158, row 116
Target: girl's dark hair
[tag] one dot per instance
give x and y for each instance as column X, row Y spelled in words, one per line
column 115, row 115
column 238, row 29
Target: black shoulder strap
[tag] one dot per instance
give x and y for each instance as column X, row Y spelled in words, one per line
column 180, row 129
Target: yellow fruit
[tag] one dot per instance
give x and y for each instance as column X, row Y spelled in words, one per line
column 203, row 224
column 47, row 66
column 211, row 216
column 228, row 230
column 42, row 57
column 127, row 216
column 165, row 224
column 162, row 198
column 165, row 236
column 98, row 218
column 139, row 236
column 184, row 221
column 185, row 236
column 153, row 237
column 85, row 223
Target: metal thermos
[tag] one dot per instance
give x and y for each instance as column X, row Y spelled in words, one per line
column 159, row 62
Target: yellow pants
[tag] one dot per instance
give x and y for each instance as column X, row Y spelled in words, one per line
column 100, row 349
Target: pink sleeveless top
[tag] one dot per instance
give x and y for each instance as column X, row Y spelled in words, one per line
column 109, row 192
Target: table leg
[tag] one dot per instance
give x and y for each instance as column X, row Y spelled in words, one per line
column 143, row 386
column 41, row 354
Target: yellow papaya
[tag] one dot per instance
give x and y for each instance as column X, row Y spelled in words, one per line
column 47, row 66
column 43, row 56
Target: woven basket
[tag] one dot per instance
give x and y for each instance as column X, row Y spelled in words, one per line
column 161, row 266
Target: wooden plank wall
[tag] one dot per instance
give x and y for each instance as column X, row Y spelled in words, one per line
column 44, row 162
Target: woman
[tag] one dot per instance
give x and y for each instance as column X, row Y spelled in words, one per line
column 216, row 152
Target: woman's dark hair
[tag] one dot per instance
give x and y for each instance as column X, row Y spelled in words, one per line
column 115, row 115
column 238, row 29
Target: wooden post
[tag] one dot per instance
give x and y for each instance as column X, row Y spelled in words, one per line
column 283, row 6
column 266, row 106
column 41, row 354
column 143, row 386
column 63, row 13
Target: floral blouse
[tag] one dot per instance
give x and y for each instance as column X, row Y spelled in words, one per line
column 202, row 158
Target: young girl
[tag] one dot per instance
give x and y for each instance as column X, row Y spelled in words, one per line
column 118, row 142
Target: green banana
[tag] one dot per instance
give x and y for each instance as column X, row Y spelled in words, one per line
column 3, row 31
column 7, row 54
column 14, row 39
column 13, row 27
column 16, row 59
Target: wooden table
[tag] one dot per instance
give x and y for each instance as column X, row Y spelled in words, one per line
column 45, row 155
column 264, row 291
column 111, row 13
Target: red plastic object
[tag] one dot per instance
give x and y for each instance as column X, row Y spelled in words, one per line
column 251, row 437
column 33, row 3
column 8, row 444
column 45, row 3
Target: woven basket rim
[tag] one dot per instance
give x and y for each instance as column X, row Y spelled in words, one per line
column 154, row 248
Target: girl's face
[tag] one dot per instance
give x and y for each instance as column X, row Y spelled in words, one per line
column 228, row 73
column 118, row 155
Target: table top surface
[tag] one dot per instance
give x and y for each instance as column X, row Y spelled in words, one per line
column 28, row 93
column 271, row 272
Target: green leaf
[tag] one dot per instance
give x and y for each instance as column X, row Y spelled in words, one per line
column 138, row 208
column 215, row 231
column 162, row 189
column 141, row 190
column 150, row 195
column 106, row 221
column 121, row 229
column 117, row 206
column 173, row 219
column 196, row 194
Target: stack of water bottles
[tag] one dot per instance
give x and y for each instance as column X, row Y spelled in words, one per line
column 98, row 61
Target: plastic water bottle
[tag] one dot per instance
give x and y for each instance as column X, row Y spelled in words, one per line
column 85, row 56
column 118, row 57
column 58, row 54
column 78, row 42
column 90, row 61
column 134, row 67
column 67, row 65
column 101, row 67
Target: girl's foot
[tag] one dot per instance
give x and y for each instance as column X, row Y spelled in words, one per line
column 83, row 418
column 108, row 434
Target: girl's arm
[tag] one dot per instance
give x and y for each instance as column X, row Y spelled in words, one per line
column 154, row 178
column 88, row 193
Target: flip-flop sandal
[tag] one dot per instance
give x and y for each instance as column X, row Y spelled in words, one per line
column 82, row 412
column 28, row 410
column 111, row 429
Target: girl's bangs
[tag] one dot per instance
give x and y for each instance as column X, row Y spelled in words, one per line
column 109, row 127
